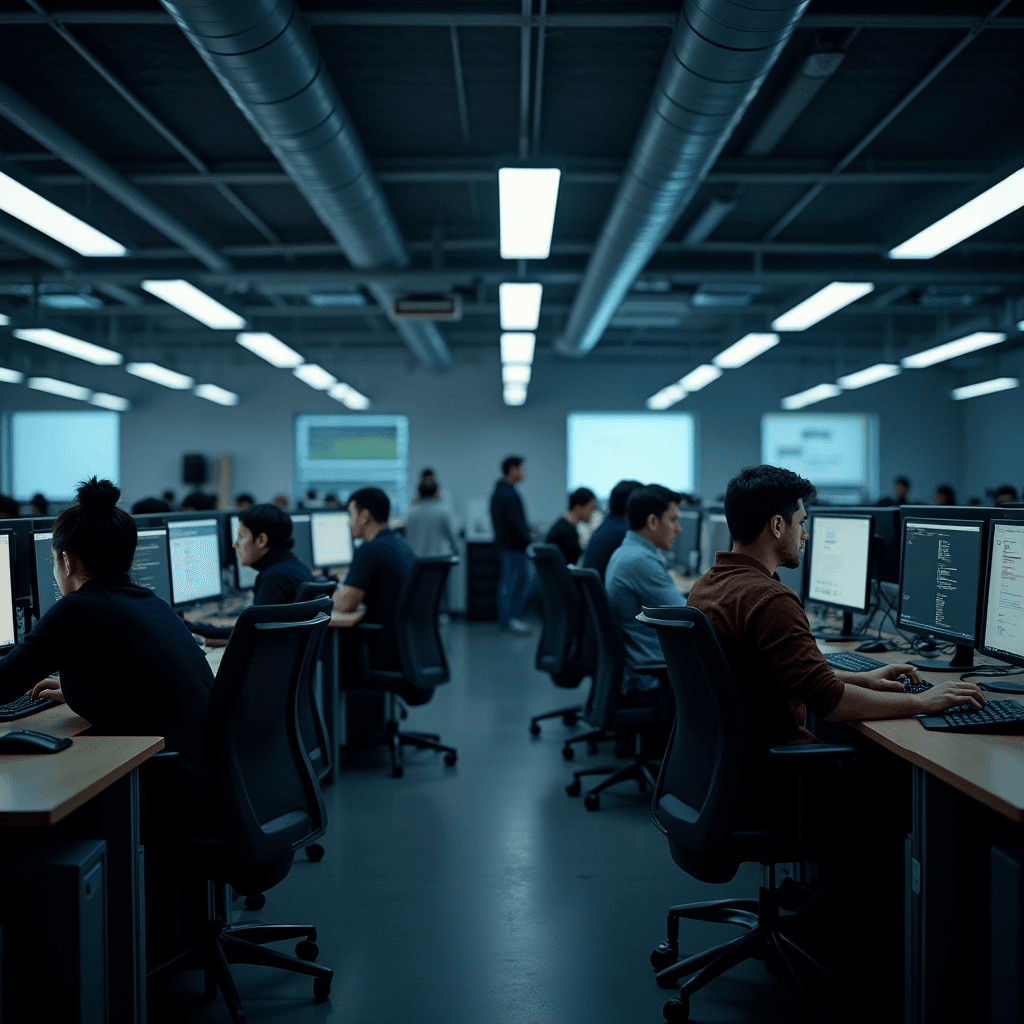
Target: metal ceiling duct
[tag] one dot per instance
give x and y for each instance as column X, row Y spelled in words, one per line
column 264, row 56
column 720, row 54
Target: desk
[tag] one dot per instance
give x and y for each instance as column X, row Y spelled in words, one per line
column 47, row 790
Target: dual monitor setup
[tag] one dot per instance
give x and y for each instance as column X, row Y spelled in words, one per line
column 179, row 557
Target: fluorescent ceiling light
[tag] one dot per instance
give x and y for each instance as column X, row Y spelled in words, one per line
column 811, row 395
column 10, row 376
column 70, row 346
column 821, row 304
column 5, row 320
column 161, row 375
column 68, row 300
column 515, row 373
column 666, row 397
column 980, row 212
column 315, row 376
column 527, row 197
column 105, row 401
column 197, row 304
column 950, row 350
column 871, row 375
column 514, row 394
column 700, row 377
column 59, row 387
column 266, row 346
column 44, row 216
column 519, row 304
column 986, row 387
column 1020, row 324
column 517, row 348
column 212, row 393
column 750, row 346
column 348, row 396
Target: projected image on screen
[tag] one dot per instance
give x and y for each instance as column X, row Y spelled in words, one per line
column 353, row 443
column 829, row 449
column 604, row 448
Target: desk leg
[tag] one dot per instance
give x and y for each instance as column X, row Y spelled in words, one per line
column 126, row 909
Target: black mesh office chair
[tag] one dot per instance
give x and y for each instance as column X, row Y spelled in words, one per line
column 608, row 710
column 267, row 792
column 695, row 806
column 563, row 651
column 421, row 656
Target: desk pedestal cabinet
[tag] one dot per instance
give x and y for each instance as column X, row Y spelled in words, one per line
column 483, row 570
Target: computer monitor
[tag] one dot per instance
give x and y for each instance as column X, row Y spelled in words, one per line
column 686, row 547
column 714, row 536
column 839, row 573
column 331, row 539
column 44, row 589
column 195, row 560
column 245, row 575
column 8, row 623
column 939, row 584
column 1002, row 634
column 302, row 537
column 151, row 566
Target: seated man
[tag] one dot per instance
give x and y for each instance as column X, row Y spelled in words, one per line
column 637, row 577
column 265, row 542
column 610, row 533
column 563, row 534
column 378, row 571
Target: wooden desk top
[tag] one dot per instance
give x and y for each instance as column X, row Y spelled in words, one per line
column 989, row 769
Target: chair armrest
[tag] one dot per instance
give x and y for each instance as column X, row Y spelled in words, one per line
column 164, row 755
column 812, row 753
column 376, row 627
column 650, row 668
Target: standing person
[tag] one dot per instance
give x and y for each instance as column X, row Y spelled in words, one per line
column 564, row 534
column 511, row 538
column 900, row 491
column 611, row 532
column 428, row 476
column 430, row 529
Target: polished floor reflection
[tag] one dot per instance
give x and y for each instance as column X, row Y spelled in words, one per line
column 483, row 893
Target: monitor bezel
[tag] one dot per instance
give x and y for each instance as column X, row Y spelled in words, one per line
column 981, row 646
column 307, row 518
column 236, row 566
column 37, row 609
column 811, row 599
column 149, row 528
column 313, row 513
column 949, row 637
column 11, row 557
column 707, row 515
column 193, row 602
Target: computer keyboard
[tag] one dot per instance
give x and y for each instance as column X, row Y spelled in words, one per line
column 997, row 716
column 847, row 661
column 909, row 687
column 23, row 707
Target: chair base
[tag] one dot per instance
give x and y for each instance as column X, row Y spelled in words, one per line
column 394, row 739
column 765, row 939
column 570, row 716
column 639, row 768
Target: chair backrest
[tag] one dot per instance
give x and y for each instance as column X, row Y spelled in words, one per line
column 563, row 615
column 256, row 756
column 700, row 774
column 610, row 653
column 417, row 637
column 311, row 717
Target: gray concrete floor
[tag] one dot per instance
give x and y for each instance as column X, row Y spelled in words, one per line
column 482, row 893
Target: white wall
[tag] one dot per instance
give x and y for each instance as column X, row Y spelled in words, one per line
column 994, row 427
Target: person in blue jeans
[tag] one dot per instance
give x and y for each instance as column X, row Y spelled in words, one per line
column 511, row 538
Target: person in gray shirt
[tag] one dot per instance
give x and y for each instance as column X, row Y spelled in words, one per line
column 430, row 529
column 636, row 577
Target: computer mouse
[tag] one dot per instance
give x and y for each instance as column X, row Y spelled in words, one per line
column 24, row 741
column 874, row 647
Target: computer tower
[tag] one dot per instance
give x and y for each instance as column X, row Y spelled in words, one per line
column 55, row 932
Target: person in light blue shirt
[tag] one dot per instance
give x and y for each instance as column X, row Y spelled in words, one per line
column 636, row 577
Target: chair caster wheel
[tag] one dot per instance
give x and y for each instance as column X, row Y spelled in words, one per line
column 315, row 852
column 570, row 719
column 677, row 1009
column 257, row 901
column 592, row 802
column 593, row 748
column 574, row 788
column 307, row 950
column 663, row 955
column 568, row 753
column 534, row 729
column 397, row 771
column 322, row 990
column 450, row 759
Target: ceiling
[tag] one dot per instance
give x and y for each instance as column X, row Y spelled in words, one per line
column 440, row 94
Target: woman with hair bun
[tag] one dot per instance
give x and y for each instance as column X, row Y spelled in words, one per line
column 127, row 663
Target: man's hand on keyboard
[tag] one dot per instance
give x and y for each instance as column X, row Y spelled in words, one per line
column 948, row 695
column 888, row 677
column 47, row 689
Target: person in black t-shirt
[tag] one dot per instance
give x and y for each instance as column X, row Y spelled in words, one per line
column 563, row 534
column 605, row 540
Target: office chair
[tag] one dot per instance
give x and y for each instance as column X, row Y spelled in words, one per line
column 267, row 790
column 610, row 711
column 563, row 651
column 313, row 727
column 695, row 804
column 420, row 655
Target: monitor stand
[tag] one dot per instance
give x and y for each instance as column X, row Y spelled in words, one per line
column 845, row 634
column 962, row 661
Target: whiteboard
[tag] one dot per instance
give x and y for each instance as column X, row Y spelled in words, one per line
column 655, row 448
column 829, row 449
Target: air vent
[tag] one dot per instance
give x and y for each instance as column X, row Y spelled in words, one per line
column 667, row 312
column 427, row 307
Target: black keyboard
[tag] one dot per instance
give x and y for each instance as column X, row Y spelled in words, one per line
column 847, row 661
column 997, row 716
column 909, row 687
column 23, row 707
